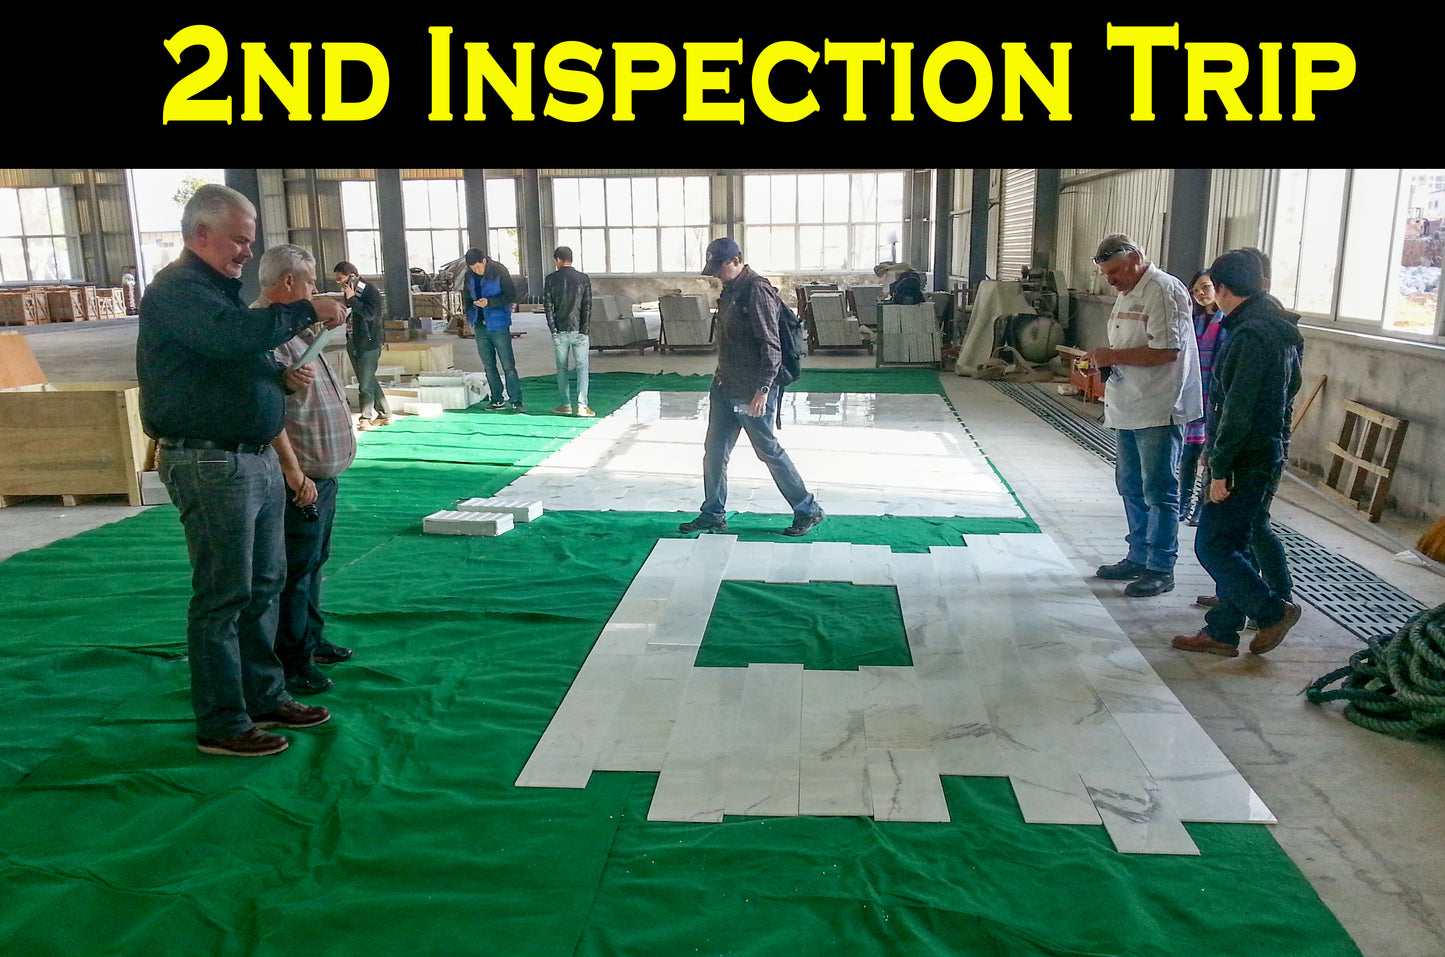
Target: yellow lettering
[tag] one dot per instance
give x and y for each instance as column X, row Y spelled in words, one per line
column 902, row 82
column 260, row 66
column 573, row 81
column 180, row 104
column 371, row 58
column 773, row 108
column 1269, row 82
column 482, row 68
column 855, row 55
column 944, row 108
column 1226, row 84
column 1019, row 68
column 629, row 81
column 1143, row 40
column 441, row 74
column 1307, row 81
column 700, row 79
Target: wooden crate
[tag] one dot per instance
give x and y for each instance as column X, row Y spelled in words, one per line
column 67, row 303
column 80, row 440
column 23, row 307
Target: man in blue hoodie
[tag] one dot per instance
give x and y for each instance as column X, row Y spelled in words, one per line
column 1255, row 379
column 490, row 294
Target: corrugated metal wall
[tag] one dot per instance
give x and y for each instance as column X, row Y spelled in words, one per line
column 1236, row 209
column 1016, row 222
column 1095, row 203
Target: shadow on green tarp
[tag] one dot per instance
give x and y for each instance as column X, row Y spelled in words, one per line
column 395, row 828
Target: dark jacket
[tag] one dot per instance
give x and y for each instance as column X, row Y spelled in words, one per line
column 204, row 359
column 494, row 285
column 364, row 331
column 567, row 295
column 749, row 352
column 1255, row 377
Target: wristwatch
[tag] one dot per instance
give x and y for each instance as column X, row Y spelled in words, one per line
column 764, row 389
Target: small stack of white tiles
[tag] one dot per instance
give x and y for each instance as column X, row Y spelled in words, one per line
column 519, row 510
column 1017, row 671
column 455, row 522
column 449, row 389
column 908, row 334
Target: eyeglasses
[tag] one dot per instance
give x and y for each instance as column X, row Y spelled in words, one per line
column 1112, row 253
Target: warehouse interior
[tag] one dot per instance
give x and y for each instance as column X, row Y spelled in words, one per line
column 1352, row 848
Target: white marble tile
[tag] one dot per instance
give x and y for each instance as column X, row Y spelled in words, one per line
column 789, row 563
column 832, row 721
column 1171, row 739
column 692, row 786
column 904, row 785
column 771, row 715
column 1200, row 794
column 871, row 565
column 831, row 562
column 893, row 709
column 707, row 715
column 763, row 783
column 1049, row 792
column 749, row 562
column 1136, row 815
column 835, row 786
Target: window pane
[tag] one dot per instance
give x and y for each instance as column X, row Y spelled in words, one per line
column 644, row 202
column 669, row 201
column 1288, row 226
column 697, row 196
column 594, row 251
column 501, row 202
column 1414, row 296
column 756, row 192
column 644, row 250
column 594, row 207
column 415, row 208
column 619, row 250
column 890, row 196
column 35, row 212
column 358, row 207
column 785, row 199
column 10, row 212
column 863, row 252
column 363, row 252
column 695, row 246
column 504, row 246
column 419, row 249
column 674, row 248
column 835, row 247
column 890, row 239
column 785, row 253
column 12, row 260
column 565, row 210
column 1320, row 243
column 42, row 259
column 835, row 197
column 758, row 245
column 1367, row 245
column 810, row 198
column 619, row 202
column 864, row 197
column 810, row 247
column 446, row 202
column 572, row 239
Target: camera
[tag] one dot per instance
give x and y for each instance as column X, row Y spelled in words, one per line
column 309, row 512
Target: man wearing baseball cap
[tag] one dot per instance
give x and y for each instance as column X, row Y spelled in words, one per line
column 743, row 396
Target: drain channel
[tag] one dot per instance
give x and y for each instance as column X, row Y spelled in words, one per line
column 1348, row 593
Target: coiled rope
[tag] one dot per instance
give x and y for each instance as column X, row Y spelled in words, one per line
column 1396, row 685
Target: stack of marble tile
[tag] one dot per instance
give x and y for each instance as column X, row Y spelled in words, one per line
column 833, row 325
column 456, row 522
column 448, row 389
column 865, row 303
column 685, row 321
column 613, row 324
column 520, row 511
column 908, row 334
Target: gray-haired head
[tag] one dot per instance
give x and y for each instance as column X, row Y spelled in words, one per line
column 212, row 205
column 282, row 261
column 1115, row 244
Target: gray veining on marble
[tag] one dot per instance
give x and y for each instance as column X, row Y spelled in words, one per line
column 1136, row 815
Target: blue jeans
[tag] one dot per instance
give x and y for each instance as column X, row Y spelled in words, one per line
column 574, row 344
column 1223, row 546
column 495, row 345
column 308, row 545
column 723, row 425
column 232, row 507
column 1147, row 477
column 368, row 391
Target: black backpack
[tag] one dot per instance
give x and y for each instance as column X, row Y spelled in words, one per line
column 794, row 340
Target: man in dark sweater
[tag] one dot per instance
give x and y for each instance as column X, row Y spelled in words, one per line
column 567, row 295
column 213, row 399
column 743, row 396
column 1255, row 379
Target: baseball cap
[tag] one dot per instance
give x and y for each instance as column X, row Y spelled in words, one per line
column 719, row 251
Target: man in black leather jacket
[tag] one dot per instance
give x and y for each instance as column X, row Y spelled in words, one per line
column 364, row 339
column 567, row 295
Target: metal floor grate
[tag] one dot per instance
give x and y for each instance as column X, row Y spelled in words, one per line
column 1349, row 594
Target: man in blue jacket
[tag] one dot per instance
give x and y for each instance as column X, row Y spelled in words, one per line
column 490, row 294
column 1256, row 376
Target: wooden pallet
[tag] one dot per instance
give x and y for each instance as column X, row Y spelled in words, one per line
column 1367, row 452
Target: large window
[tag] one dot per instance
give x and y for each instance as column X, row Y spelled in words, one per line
column 37, row 239
column 636, row 224
column 1361, row 246
column 823, row 221
column 434, row 213
column 363, row 226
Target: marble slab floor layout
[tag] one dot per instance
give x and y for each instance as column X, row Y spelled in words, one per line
column 1017, row 669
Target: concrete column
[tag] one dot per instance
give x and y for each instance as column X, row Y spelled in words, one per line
column 248, row 184
column 474, row 187
column 942, row 226
column 395, row 278
column 529, row 227
column 1188, row 226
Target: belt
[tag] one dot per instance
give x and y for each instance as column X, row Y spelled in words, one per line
column 214, row 446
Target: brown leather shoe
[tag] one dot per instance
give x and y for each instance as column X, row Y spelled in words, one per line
column 1206, row 601
column 293, row 714
column 1206, row 644
column 251, row 743
column 1270, row 636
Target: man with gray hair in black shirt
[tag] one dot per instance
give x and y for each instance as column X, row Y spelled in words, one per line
column 213, row 399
